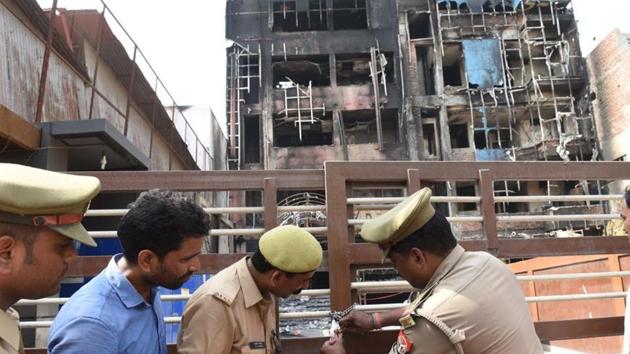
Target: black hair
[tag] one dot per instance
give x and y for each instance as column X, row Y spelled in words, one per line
column 435, row 237
column 626, row 196
column 24, row 233
column 262, row 265
column 159, row 221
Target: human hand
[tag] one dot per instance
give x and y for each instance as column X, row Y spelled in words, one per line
column 334, row 345
column 357, row 322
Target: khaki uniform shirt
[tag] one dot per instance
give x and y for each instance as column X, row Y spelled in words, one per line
column 10, row 338
column 472, row 304
column 229, row 315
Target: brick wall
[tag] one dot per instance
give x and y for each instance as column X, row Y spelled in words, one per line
column 609, row 69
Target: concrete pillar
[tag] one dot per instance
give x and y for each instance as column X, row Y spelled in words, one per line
column 53, row 155
column 411, row 118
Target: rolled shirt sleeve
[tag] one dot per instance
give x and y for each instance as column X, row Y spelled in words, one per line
column 83, row 335
column 428, row 339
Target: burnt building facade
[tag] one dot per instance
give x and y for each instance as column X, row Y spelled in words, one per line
column 316, row 80
column 465, row 80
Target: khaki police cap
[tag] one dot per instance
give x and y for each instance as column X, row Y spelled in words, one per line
column 399, row 222
column 31, row 196
column 291, row 249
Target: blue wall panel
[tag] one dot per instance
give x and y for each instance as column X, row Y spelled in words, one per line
column 484, row 63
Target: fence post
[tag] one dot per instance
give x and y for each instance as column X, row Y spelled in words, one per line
column 413, row 181
column 270, row 202
column 489, row 224
column 339, row 235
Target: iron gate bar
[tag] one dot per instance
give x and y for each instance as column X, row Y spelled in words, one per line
column 380, row 341
column 339, row 234
column 467, row 170
column 89, row 266
column 270, row 199
column 489, row 223
column 207, row 180
column 341, row 175
column 363, row 254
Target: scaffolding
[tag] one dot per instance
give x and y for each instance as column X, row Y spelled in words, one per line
column 378, row 64
column 244, row 66
column 540, row 68
column 538, row 65
column 550, row 50
column 298, row 105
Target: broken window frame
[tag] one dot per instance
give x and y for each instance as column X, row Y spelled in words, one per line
column 428, row 69
column 360, row 6
column 322, row 62
column 248, row 141
column 430, row 141
column 463, row 130
column 300, row 115
column 304, row 140
column 235, row 86
column 351, row 119
column 316, row 8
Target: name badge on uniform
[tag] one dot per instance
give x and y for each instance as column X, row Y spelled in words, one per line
column 257, row 345
column 407, row 321
column 403, row 344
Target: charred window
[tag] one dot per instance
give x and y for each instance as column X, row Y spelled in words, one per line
column 452, row 65
column 492, row 138
column 354, row 69
column 459, row 136
column 426, row 70
column 248, row 75
column 314, row 69
column 466, row 190
column 254, row 199
column 420, row 25
column 507, row 189
column 303, row 131
column 349, row 14
column 301, row 15
column 360, row 126
column 429, row 137
column 252, row 139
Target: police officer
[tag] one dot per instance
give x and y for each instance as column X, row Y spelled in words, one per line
column 235, row 311
column 40, row 217
column 470, row 302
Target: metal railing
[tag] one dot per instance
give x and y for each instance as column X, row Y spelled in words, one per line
column 140, row 66
column 384, row 204
column 339, row 179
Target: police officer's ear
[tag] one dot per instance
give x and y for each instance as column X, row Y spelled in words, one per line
column 275, row 276
column 7, row 253
column 418, row 257
column 148, row 261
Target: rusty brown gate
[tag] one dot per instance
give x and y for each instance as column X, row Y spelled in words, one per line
column 344, row 255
